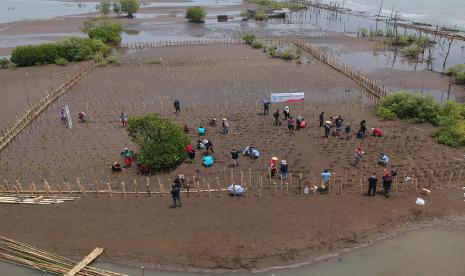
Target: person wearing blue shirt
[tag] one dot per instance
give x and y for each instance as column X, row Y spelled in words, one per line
column 207, row 160
column 383, row 159
column 326, row 177
column 255, row 153
column 201, row 130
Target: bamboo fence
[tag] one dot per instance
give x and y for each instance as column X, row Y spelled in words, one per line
column 168, row 43
column 374, row 89
column 33, row 112
column 348, row 181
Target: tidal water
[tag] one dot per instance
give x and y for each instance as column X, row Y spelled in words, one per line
column 442, row 12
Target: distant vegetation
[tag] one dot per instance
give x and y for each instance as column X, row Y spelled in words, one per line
column 4, row 63
column 277, row 4
column 412, row 51
column 104, row 29
column 457, row 72
column 417, row 108
column 70, row 49
column 273, row 51
column 130, row 7
column 196, row 14
column 103, row 7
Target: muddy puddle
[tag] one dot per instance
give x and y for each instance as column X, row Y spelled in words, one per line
column 435, row 250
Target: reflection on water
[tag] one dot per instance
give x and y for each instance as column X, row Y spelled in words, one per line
column 429, row 251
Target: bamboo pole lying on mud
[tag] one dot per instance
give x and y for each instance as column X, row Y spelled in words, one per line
column 25, row 255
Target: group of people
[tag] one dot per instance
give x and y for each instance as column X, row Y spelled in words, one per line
column 292, row 124
column 387, row 182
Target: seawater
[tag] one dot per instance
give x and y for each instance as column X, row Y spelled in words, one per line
column 442, row 12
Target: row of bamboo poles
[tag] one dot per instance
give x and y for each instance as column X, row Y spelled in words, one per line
column 348, row 182
column 22, row 254
column 34, row 111
column 168, row 43
column 375, row 90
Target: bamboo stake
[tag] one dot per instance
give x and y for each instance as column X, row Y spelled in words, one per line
column 136, row 187
column 160, row 186
column 260, row 186
column 123, row 189
column 109, row 189
column 218, row 186
column 148, row 186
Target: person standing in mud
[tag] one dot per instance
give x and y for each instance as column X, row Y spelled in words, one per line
column 286, row 112
column 177, row 106
column 290, row 124
column 372, row 182
column 322, row 119
column 276, row 118
column 176, row 191
column 327, row 127
column 363, row 126
column 387, row 183
column 266, row 108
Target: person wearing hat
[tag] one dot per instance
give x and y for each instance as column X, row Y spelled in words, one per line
column 273, row 165
column 213, row 122
column 327, row 127
column 225, row 125
column 235, row 156
column 358, row 155
column 325, row 177
column 176, row 191
column 286, row 112
column 116, row 167
column 284, row 169
column 383, row 159
column 128, row 156
column 387, row 183
column 123, row 118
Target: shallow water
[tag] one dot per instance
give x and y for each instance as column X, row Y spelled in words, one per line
column 18, row 10
column 437, row 250
column 444, row 12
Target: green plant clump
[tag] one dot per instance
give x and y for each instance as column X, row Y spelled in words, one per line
column 161, row 142
column 458, row 73
column 128, row 6
column 103, row 7
column 412, row 51
column 249, row 38
column 277, row 4
column 104, row 29
column 416, row 108
column 257, row 44
column 287, row 54
column 4, row 63
column 61, row 61
column 362, row 32
column 71, row 49
column 261, row 15
column 196, row 14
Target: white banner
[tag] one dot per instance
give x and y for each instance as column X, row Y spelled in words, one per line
column 68, row 116
column 287, row 97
